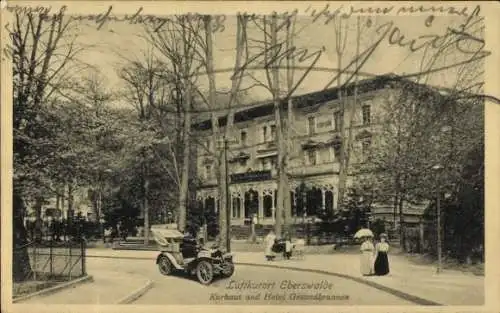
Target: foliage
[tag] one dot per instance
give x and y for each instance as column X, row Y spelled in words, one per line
column 463, row 211
column 197, row 217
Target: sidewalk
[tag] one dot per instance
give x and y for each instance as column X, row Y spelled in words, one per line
column 106, row 288
column 447, row 288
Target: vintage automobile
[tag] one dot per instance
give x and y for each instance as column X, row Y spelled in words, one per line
column 182, row 253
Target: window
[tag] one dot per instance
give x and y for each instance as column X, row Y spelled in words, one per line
column 244, row 138
column 207, row 171
column 264, row 134
column 337, row 119
column 273, row 132
column 311, row 157
column 311, row 125
column 209, row 147
column 273, row 162
column 366, row 115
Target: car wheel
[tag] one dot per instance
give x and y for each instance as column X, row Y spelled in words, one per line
column 205, row 272
column 165, row 266
column 228, row 270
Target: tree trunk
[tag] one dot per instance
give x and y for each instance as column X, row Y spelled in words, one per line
column 70, row 208
column 223, row 205
column 401, row 223
column 279, row 132
column 352, row 111
column 146, row 207
column 290, row 70
column 184, row 188
column 219, row 163
column 212, row 89
column 38, row 218
column 21, row 267
column 183, row 193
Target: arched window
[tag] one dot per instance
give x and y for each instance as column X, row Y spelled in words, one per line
column 268, row 206
column 329, row 200
column 236, row 207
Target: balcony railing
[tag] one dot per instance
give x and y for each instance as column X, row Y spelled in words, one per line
column 251, row 176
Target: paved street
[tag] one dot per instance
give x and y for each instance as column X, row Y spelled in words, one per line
column 178, row 290
column 448, row 288
column 183, row 290
column 117, row 274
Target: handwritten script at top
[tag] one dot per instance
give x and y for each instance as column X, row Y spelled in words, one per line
column 460, row 38
column 326, row 14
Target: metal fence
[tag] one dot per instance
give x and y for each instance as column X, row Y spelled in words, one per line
column 51, row 261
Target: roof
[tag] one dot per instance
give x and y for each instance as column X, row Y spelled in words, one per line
column 309, row 99
column 266, row 108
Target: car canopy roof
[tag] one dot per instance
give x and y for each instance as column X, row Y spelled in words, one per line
column 166, row 233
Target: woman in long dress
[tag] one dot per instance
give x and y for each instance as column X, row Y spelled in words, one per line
column 269, row 242
column 367, row 250
column 382, row 261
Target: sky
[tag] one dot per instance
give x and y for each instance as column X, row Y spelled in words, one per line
column 116, row 42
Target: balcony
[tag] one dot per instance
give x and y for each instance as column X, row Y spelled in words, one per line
column 313, row 170
column 251, row 176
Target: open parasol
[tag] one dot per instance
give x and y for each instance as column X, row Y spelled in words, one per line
column 364, row 232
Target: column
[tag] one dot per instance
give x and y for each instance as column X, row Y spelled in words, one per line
column 335, row 198
column 216, row 206
column 242, row 206
column 273, row 209
column 261, row 204
column 323, row 199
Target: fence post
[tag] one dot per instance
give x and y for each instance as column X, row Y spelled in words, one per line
column 34, row 261
column 82, row 247
column 51, row 260
column 421, row 237
column 70, row 260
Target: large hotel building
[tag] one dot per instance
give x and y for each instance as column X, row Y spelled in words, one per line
column 313, row 150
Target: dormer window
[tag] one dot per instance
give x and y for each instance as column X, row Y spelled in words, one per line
column 208, row 171
column 311, row 157
column 311, row 122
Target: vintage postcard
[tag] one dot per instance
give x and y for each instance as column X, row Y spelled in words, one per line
column 249, row 156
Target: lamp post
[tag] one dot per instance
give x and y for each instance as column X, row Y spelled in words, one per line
column 438, row 168
column 32, row 226
column 101, row 226
column 228, row 212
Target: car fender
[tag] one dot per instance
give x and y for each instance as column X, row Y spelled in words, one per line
column 170, row 258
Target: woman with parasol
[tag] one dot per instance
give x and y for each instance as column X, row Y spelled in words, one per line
column 269, row 243
column 382, row 261
column 367, row 250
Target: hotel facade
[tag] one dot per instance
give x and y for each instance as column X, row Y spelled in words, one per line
column 313, row 147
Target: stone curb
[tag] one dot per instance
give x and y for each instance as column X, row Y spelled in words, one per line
column 395, row 292
column 87, row 278
column 136, row 294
